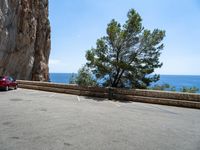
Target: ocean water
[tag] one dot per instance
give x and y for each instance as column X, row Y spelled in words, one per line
column 179, row 81
column 60, row 77
column 174, row 80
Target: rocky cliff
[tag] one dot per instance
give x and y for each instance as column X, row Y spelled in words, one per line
column 24, row 39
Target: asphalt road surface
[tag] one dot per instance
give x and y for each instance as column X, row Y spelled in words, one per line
column 35, row 120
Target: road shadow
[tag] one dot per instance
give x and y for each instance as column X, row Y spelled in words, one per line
column 4, row 91
column 106, row 99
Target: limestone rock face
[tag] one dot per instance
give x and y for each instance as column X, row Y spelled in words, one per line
column 24, row 39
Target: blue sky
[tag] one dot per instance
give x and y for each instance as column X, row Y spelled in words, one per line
column 76, row 25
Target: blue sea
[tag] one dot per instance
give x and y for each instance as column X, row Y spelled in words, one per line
column 179, row 81
column 61, row 77
column 174, row 80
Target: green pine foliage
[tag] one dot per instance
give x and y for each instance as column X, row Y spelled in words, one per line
column 127, row 54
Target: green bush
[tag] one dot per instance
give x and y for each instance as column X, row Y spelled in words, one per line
column 167, row 87
column 189, row 89
column 85, row 78
column 163, row 87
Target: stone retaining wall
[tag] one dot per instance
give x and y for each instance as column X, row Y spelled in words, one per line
column 137, row 95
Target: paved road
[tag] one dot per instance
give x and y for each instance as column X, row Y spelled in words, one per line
column 35, row 120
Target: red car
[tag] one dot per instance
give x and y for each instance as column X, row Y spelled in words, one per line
column 7, row 82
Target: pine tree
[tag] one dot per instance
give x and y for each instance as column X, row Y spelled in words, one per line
column 128, row 55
